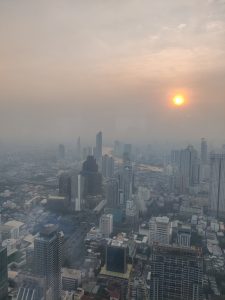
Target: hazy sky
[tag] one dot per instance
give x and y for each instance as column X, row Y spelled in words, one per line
column 70, row 68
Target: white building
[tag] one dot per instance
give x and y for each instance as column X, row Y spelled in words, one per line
column 106, row 225
column 159, row 230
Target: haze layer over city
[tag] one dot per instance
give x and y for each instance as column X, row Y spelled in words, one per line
column 112, row 150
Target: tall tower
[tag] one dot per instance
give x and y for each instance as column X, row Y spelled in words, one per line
column 3, row 274
column 48, row 257
column 217, row 184
column 78, row 154
column 159, row 230
column 176, row 273
column 92, row 178
column 98, row 148
column 189, row 168
column 204, row 151
column 107, row 166
column 112, row 192
column 106, row 224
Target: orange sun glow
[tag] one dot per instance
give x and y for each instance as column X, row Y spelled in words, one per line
column 178, row 100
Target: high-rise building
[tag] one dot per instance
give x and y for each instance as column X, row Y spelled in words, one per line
column 126, row 181
column 3, row 274
column 92, row 178
column 189, row 168
column 116, row 256
column 159, row 230
column 65, row 185
column 106, row 224
column 78, row 150
column 217, row 184
column 176, row 273
column 184, row 235
column 80, row 189
column 98, row 147
column 204, row 151
column 48, row 258
column 107, row 166
column 61, row 151
column 112, row 192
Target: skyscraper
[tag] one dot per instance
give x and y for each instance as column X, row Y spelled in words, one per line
column 65, row 185
column 217, row 184
column 189, row 168
column 159, row 230
column 107, row 166
column 78, row 150
column 116, row 256
column 3, row 274
column 112, row 192
column 98, row 147
column 92, row 178
column 204, row 151
column 106, row 224
column 176, row 273
column 126, row 180
column 48, row 259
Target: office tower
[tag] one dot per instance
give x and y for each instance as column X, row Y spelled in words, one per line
column 176, row 273
column 80, row 190
column 78, row 150
column 116, row 256
column 159, row 230
column 92, row 178
column 98, row 147
column 217, row 184
column 107, row 166
column 61, row 151
column 48, row 259
column 204, row 151
column 131, row 213
column 189, row 168
column 106, row 224
column 3, row 274
column 112, row 192
column 184, row 235
column 65, row 185
column 126, row 180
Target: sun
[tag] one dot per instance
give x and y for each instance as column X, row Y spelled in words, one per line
column 178, row 100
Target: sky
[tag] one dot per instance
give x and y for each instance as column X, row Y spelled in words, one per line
column 74, row 67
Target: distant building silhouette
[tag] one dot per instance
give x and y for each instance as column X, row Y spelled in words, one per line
column 217, row 184
column 107, row 166
column 92, row 178
column 61, row 151
column 204, row 151
column 98, row 147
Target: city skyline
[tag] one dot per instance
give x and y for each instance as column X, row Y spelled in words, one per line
column 71, row 68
